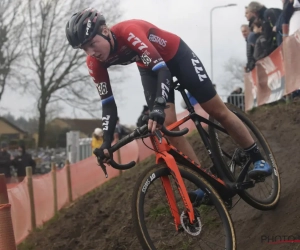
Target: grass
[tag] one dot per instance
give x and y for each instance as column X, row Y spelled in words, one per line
column 160, row 210
column 186, row 245
column 26, row 245
column 206, row 219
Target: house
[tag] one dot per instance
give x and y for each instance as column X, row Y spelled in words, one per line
column 10, row 132
column 86, row 127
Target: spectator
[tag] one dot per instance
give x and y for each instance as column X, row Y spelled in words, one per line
column 120, row 130
column 261, row 48
column 269, row 18
column 250, row 41
column 295, row 19
column 282, row 20
column 5, row 161
column 245, row 31
column 237, row 98
column 22, row 161
column 97, row 138
column 145, row 112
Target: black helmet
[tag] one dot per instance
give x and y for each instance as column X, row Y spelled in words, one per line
column 83, row 27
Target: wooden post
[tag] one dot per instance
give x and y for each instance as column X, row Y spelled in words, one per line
column 3, row 190
column 69, row 181
column 119, row 159
column 285, row 34
column 7, row 237
column 31, row 196
column 54, row 181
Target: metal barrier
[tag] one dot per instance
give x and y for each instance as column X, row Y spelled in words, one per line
column 235, row 99
column 78, row 148
column 85, row 149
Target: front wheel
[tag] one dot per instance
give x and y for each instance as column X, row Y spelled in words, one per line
column 231, row 157
column 153, row 220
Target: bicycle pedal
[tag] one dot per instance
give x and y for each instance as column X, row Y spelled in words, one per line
column 245, row 185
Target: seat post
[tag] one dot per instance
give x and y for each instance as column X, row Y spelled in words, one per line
column 189, row 106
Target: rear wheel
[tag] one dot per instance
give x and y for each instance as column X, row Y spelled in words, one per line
column 266, row 192
column 155, row 225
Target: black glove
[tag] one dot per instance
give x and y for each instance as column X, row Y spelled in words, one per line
column 158, row 114
column 99, row 151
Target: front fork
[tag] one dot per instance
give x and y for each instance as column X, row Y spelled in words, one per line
column 174, row 170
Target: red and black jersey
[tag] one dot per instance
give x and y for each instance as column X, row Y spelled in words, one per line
column 137, row 41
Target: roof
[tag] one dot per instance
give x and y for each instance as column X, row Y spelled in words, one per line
column 86, row 126
column 13, row 125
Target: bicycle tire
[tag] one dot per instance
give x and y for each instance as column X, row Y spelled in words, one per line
column 162, row 170
column 216, row 148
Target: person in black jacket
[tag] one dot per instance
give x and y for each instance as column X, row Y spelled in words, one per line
column 22, row 161
column 5, row 161
column 269, row 18
column 250, row 40
column 261, row 48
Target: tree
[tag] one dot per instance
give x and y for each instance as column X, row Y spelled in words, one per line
column 57, row 71
column 234, row 69
column 10, row 37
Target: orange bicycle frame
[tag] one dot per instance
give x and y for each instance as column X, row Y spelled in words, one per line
column 162, row 155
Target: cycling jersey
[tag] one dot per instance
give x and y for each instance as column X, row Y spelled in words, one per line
column 135, row 41
column 159, row 55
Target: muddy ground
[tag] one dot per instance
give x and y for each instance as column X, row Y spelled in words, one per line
column 102, row 219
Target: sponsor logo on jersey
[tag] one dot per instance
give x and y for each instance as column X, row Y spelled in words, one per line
column 157, row 39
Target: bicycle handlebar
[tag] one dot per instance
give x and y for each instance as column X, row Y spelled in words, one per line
column 174, row 133
column 138, row 132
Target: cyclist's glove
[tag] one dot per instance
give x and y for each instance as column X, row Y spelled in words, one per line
column 99, row 151
column 158, row 114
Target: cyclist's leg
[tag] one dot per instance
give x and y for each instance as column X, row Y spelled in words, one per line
column 149, row 80
column 194, row 78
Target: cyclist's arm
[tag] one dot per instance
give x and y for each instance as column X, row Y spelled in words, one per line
column 109, row 108
column 137, row 40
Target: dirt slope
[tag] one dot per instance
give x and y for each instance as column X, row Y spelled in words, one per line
column 102, row 219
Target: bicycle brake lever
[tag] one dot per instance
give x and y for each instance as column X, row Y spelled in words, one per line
column 158, row 135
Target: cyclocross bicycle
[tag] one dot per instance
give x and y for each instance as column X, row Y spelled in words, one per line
column 164, row 214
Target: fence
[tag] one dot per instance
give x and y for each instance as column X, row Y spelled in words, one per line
column 275, row 75
column 235, row 99
column 36, row 199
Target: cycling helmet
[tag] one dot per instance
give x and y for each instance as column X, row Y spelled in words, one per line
column 83, row 27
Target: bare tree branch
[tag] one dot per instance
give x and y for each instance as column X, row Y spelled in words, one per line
column 57, row 72
column 234, row 69
column 10, row 35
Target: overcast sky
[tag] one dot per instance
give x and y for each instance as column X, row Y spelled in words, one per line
column 190, row 19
